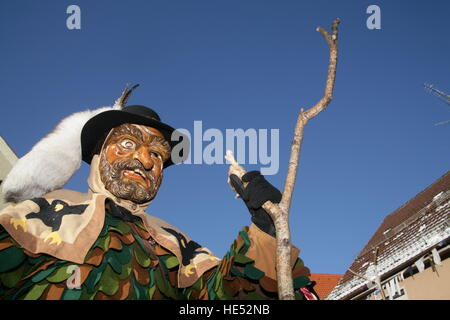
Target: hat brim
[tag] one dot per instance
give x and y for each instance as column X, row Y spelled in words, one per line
column 97, row 128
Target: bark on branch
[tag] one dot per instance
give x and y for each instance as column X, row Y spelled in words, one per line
column 280, row 212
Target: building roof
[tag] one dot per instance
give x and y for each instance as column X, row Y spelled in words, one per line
column 403, row 237
column 325, row 282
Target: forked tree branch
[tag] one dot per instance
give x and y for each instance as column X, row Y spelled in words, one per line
column 280, row 212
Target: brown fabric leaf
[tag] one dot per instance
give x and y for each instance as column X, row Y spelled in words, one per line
column 268, row 284
column 124, row 290
column 300, row 272
column 96, row 257
column 173, row 278
column 43, row 266
column 245, row 284
column 101, row 296
column 31, row 254
column 140, row 273
column 84, row 272
column 203, row 294
column 127, row 238
column 157, row 295
column 115, row 242
column 142, row 233
column 225, row 266
column 232, row 286
column 54, row 291
column 160, row 251
column 5, row 243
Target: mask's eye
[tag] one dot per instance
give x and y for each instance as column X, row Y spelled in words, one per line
column 155, row 154
column 128, row 144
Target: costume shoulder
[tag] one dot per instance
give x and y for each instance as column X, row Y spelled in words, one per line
column 194, row 259
column 62, row 223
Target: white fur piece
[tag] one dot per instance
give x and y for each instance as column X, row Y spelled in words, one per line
column 52, row 161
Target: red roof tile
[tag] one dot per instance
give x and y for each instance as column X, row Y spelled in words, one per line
column 325, row 283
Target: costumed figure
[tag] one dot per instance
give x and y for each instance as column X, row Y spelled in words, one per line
column 62, row 244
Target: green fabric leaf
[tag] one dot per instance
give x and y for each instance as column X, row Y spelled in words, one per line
column 210, row 283
column 41, row 275
column 170, row 261
column 126, row 271
column 11, row 258
column 71, row 294
column 36, row 292
column 237, row 273
column 198, row 285
column 298, row 296
column 162, row 282
column 111, row 221
column 299, row 263
column 253, row 273
column 242, row 259
column 114, row 263
column 38, row 260
column 219, row 288
column 141, row 292
column 151, row 292
column 86, row 295
column 301, row 282
column 94, row 277
column 244, row 247
column 3, row 233
column 141, row 257
column 103, row 243
column 59, row 275
column 10, row 279
column 124, row 255
column 109, row 283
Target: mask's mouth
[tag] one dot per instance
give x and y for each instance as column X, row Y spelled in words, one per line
column 138, row 175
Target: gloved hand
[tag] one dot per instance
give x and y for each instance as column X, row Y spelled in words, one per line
column 258, row 191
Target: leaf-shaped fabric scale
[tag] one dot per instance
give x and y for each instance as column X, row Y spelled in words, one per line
column 109, row 282
column 141, row 257
column 253, row 273
column 170, row 261
column 11, row 258
column 44, row 273
column 60, row 275
column 242, row 259
column 36, row 291
column 114, row 263
column 301, row 282
column 103, row 243
column 10, row 279
column 123, row 256
column 71, row 294
column 94, row 278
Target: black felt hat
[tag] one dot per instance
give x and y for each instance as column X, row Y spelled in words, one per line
column 97, row 128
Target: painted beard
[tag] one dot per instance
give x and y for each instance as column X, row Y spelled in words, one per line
column 111, row 176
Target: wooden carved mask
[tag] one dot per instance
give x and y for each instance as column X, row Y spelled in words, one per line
column 131, row 162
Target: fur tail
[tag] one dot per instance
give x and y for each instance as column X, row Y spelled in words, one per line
column 51, row 162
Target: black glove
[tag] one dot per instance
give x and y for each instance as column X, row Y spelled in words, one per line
column 257, row 192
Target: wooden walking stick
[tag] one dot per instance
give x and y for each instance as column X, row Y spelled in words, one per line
column 280, row 212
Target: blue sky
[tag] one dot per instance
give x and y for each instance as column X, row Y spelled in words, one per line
column 248, row 64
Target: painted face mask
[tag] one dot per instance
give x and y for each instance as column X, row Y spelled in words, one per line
column 131, row 162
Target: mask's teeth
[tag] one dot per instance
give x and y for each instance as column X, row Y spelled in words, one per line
column 139, row 172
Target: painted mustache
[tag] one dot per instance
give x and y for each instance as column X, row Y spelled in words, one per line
column 132, row 165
